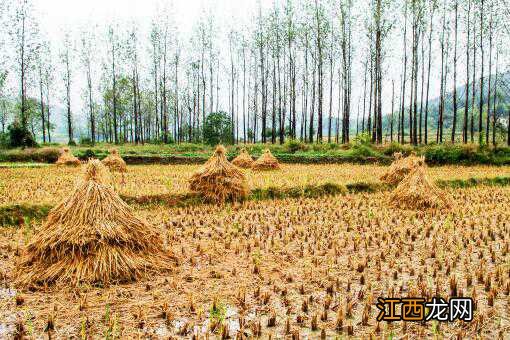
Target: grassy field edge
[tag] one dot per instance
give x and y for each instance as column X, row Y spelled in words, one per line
column 19, row 214
column 291, row 152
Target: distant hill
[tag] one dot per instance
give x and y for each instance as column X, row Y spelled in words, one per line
column 502, row 102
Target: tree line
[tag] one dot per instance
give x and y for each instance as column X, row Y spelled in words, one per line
column 411, row 71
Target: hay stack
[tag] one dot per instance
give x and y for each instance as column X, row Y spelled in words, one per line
column 219, row 180
column 114, row 162
column 266, row 162
column 67, row 158
column 400, row 168
column 243, row 160
column 92, row 237
column 417, row 192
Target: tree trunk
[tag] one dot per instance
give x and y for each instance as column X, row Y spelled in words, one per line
column 319, row 75
column 402, row 108
column 466, row 89
column 392, row 109
column 494, row 113
column 454, row 123
column 487, row 124
column 43, row 113
column 480, row 114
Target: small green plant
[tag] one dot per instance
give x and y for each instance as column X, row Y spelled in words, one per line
column 83, row 330
column 29, row 322
column 27, row 230
column 107, row 314
column 217, row 312
column 435, row 328
column 256, row 257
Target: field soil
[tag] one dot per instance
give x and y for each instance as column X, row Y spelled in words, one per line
column 277, row 267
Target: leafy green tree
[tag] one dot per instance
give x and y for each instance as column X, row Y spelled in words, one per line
column 217, row 128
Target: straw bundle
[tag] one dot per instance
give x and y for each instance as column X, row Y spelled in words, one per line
column 400, row 168
column 92, row 237
column 67, row 158
column 266, row 162
column 219, row 180
column 243, row 160
column 114, row 162
column 417, row 192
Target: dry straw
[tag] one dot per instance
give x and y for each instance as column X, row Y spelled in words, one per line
column 219, row 180
column 400, row 168
column 114, row 162
column 266, row 162
column 417, row 192
column 92, row 237
column 67, row 158
column 243, row 160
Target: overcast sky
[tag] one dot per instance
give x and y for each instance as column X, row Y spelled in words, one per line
column 61, row 13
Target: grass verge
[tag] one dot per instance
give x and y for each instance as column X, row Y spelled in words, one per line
column 18, row 214
column 290, row 152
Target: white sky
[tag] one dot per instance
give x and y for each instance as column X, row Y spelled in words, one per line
column 74, row 13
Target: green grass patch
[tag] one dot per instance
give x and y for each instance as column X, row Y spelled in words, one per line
column 19, row 214
column 499, row 181
column 10, row 165
column 359, row 151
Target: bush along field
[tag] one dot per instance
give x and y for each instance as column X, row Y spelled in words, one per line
column 290, row 152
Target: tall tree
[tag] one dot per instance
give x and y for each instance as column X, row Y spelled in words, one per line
column 482, row 53
column 455, row 107
column 114, row 47
column 466, row 88
column 87, row 54
column 320, row 62
column 43, row 60
column 487, row 123
column 24, row 34
column 66, row 58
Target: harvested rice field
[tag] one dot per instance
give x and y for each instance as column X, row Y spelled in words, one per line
column 297, row 268
column 51, row 184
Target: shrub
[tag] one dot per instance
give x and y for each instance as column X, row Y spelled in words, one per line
column 86, row 141
column 364, row 151
column 4, row 140
column 405, row 149
column 20, row 136
column 452, row 154
column 88, row 153
column 362, row 139
column 293, row 145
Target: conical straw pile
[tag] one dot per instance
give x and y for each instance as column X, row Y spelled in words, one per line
column 417, row 192
column 114, row 162
column 400, row 168
column 92, row 237
column 219, row 180
column 67, row 158
column 266, row 162
column 243, row 160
